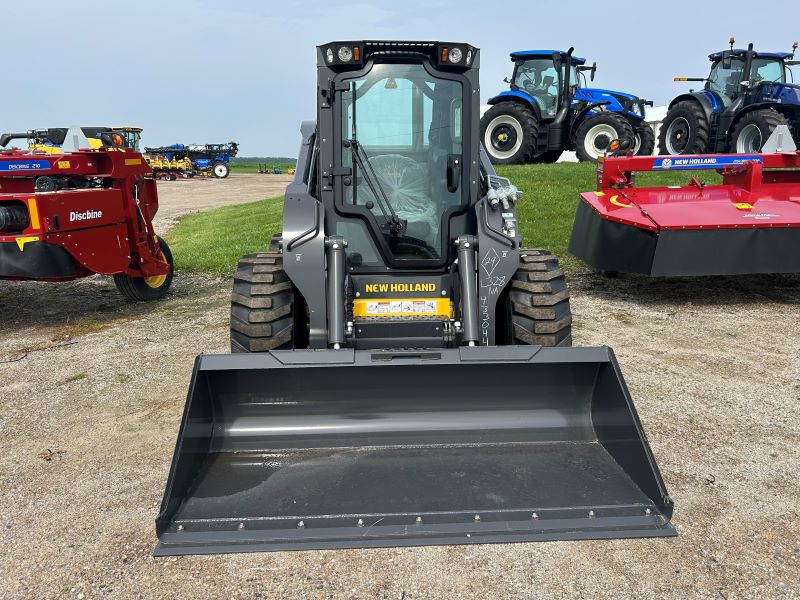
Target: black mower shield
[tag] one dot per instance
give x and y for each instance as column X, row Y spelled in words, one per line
column 311, row 449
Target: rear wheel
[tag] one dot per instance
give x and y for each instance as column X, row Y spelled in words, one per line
column 684, row 130
column 753, row 130
column 537, row 303
column 264, row 307
column 548, row 157
column 645, row 140
column 595, row 133
column 220, row 170
column 509, row 132
column 140, row 289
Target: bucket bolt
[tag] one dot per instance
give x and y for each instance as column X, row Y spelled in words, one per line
column 534, row 516
column 241, row 526
column 591, row 514
column 477, row 518
column 301, row 525
column 360, row 523
column 181, row 527
column 418, row 521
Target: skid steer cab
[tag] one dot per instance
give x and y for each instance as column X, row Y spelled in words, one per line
column 402, row 372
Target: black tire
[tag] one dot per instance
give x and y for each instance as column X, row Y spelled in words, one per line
column 262, row 305
column 537, row 303
column 140, row 289
column 509, row 132
column 684, row 130
column 596, row 132
column 753, row 130
column 646, row 137
column 220, row 169
column 547, row 158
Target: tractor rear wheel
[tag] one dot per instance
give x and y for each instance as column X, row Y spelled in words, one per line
column 263, row 305
column 753, row 130
column 220, row 169
column 509, row 132
column 684, row 130
column 595, row 133
column 547, row 158
column 140, row 289
column 537, row 303
column 645, row 139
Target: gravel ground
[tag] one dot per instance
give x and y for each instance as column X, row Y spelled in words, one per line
column 92, row 389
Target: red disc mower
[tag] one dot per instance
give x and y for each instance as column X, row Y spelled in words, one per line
column 750, row 223
column 71, row 215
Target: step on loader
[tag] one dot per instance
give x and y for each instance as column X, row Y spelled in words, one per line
column 401, row 370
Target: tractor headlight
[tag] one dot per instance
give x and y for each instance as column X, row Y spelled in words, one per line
column 345, row 54
column 455, row 56
column 329, row 55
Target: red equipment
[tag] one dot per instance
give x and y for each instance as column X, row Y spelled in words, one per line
column 95, row 216
column 748, row 224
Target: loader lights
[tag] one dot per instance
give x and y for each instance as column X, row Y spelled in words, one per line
column 455, row 56
column 13, row 218
column 117, row 140
column 343, row 54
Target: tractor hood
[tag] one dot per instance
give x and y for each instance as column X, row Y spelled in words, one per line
column 617, row 101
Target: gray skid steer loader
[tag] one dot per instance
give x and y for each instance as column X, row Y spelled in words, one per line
column 401, row 370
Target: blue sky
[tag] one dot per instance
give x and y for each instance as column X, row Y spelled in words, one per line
column 203, row 71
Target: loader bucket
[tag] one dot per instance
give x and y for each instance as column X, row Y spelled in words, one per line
column 313, row 449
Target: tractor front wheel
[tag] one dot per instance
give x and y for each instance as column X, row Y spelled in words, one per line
column 140, row 289
column 536, row 303
column 509, row 131
column 645, row 140
column 595, row 133
column 684, row 130
column 753, row 130
column 220, row 169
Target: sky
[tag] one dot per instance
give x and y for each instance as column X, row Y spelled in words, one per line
column 214, row 71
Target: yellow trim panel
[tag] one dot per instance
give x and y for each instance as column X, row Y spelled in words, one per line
column 402, row 307
column 21, row 241
column 33, row 211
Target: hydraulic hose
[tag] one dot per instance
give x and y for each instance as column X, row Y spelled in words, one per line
column 13, row 217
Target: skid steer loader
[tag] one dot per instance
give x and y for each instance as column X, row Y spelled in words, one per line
column 401, row 371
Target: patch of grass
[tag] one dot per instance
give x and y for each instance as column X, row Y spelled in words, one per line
column 214, row 241
column 250, row 167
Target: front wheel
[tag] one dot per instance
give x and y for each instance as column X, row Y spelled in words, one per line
column 684, row 130
column 220, row 170
column 140, row 289
column 595, row 133
column 509, row 132
column 536, row 304
column 753, row 130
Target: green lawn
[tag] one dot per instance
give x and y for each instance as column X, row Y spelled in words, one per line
column 214, row 241
column 251, row 167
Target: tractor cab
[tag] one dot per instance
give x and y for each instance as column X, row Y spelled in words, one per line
column 733, row 72
column 540, row 74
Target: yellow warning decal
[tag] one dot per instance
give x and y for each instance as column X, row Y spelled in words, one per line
column 598, row 194
column 402, row 307
column 613, row 200
column 21, row 241
column 743, row 205
column 33, row 211
column 63, row 164
column 129, row 162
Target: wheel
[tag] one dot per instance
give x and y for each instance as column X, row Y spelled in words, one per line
column 140, row 289
column 684, row 130
column 753, row 130
column 547, row 158
column 220, row 169
column 645, row 141
column 595, row 133
column 43, row 183
column 509, row 132
column 265, row 313
column 536, row 303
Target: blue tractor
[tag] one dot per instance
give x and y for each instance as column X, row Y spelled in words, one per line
column 208, row 159
column 547, row 111
column 744, row 99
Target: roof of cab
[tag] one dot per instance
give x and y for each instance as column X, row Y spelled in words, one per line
column 741, row 52
column 579, row 60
